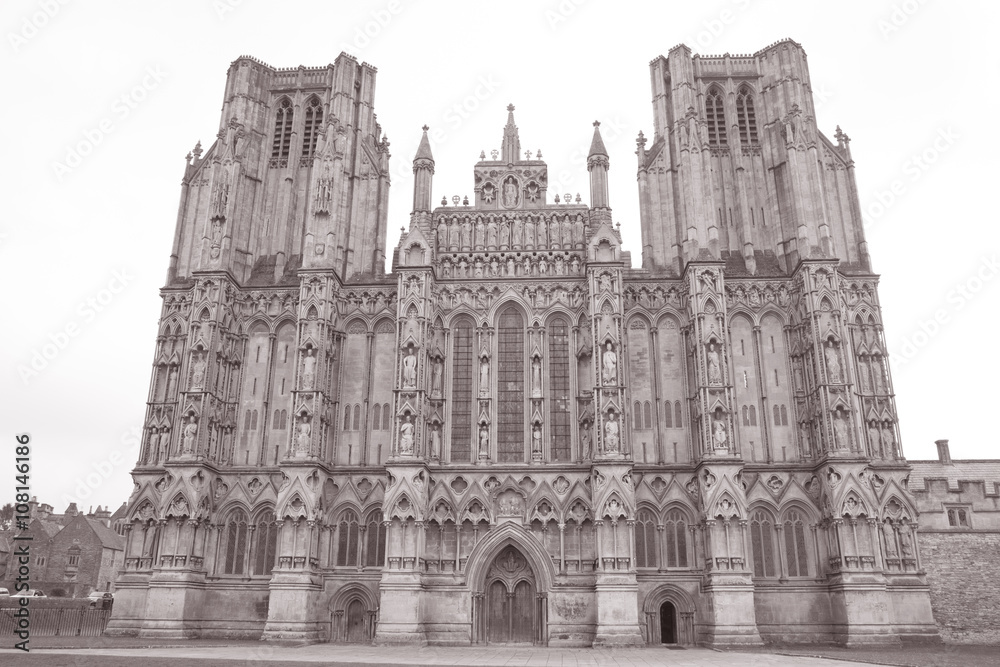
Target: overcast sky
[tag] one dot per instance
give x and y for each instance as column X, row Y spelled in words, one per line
column 104, row 99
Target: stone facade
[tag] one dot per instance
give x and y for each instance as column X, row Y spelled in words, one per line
column 516, row 436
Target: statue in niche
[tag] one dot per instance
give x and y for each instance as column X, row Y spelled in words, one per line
column 198, row 372
column 888, row 441
column 890, row 540
column 190, row 434
column 832, row 362
column 609, row 362
column 435, row 442
column 510, row 193
column 864, row 375
column 171, row 381
column 879, row 375
column 543, row 266
column 605, row 282
column 574, row 264
column 305, row 429
column 527, row 266
column 536, row 439
column 442, row 235
column 905, row 539
column 406, row 436
column 466, row 234
column 719, row 435
column 494, row 267
column 516, row 233
column 536, row 377
column 875, row 437
column 484, row 441
column 511, row 266
column 578, row 230
column 308, row 370
column 153, row 445
column 612, row 442
column 585, row 440
column 437, row 370
column 216, row 232
column 484, row 377
column 491, row 234
column 455, row 231
column 504, row 233
column 480, row 233
column 410, row 369
column 567, row 233
column 840, row 435
column 529, row 232
column 714, row 365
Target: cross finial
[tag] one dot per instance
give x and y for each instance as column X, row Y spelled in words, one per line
column 425, row 128
column 527, row 155
column 597, row 123
column 510, row 107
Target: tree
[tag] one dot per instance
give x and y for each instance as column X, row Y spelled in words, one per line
column 6, row 516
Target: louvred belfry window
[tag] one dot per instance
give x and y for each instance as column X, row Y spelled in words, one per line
column 747, row 118
column 282, row 131
column 716, row 117
column 314, row 120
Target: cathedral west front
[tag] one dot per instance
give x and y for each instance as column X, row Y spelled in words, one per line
column 519, row 434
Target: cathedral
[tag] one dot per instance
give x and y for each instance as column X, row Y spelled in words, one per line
column 516, row 435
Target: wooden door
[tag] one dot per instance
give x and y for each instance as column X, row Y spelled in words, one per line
column 497, row 619
column 668, row 623
column 356, row 631
column 522, row 614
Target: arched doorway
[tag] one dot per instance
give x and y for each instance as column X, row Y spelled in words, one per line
column 510, row 600
column 357, row 632
column 668, row 623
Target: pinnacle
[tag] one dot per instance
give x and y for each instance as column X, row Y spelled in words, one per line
column 424, row 149
column 597, row 145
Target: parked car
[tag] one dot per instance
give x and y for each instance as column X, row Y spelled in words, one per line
column 4, row 593
column 102, row 599
column 30, row 593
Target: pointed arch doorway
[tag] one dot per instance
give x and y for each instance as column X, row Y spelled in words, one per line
column 511, row 616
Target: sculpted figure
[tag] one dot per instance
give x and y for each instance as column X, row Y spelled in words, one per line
column 832, row 362
column 609, row 361
column 436, row 373
column 484, row 440
column 198, row 372
column 516, row 234
column 467, row 234
column 308, row 370
column 840, row 433
column 719, row 434
column 585, row 440
column 190, row 433
column 436, row 442
column 171, row 382
column 305, row 428
column 612, row 442
column 510, row 193
column 406, row 436
column 536, row 377
column 890, row 540
column 529, row 233
column 410, row 369
column 714, row 365
column 536, row 439
column 875, row 438
column 484, row 377
column 491, row 234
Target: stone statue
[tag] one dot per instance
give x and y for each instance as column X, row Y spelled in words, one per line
column 153, row 447
column 536, row 439
column 198, row 372
column 612, row 443
column 864, row 375
column 484, row 440
column 466, row 234
column 510, row 193
column 536, row 377
column 567, row 233
column 190, row 433
column 585, row 440
column 410, row 368
column 905, row 539
column 454, row 234
column 436, row 442
column 609, row 362
column 480, row 233
column 406, row 436
column 305, row 428
column 714, row 365
column 890, row 540
column 875, row 439
column 832, row 362
column 605, row 282
column 516, row 234
column 504, row 234
column 436, row 373
column 578, row 230
column 719, row 435
column 840, row 434
column 171, row 382
column 308, row 370
column 889, row 442
column 442, row 236
column 491, row 234
column 879, row 374
column 529, row 233
column 484, row 377
column 804, row 436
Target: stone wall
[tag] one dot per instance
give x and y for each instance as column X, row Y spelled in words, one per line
column 964, row 575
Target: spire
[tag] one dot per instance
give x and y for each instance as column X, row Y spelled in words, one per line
column 511, row 148
column 597, row 145
column 424, row 149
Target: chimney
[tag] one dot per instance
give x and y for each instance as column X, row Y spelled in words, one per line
column 944, row 456
column 33, row 507
column 103, row 515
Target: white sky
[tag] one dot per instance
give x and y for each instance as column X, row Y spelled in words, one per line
column 894, row 81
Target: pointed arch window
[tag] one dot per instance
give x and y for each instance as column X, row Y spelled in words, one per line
column 314, row 120
column 675, row 533
column 347, row 546
column 677, row 414
column 762, row 541
column 795, row 545
column 668, row 415
column 282, row 131
column 746, row 116
column 716, row 117
column 377, row 417
column 375, row 540
column 558, row 363
column 511, row 360
column 265, row 542
column 236, row 543
column 461, row 391
column 645, row 540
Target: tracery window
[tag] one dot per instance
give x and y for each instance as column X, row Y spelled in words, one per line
column 645, row 540
column 510, row 386
column 746, row 116
column 375, row 540
column 282, row 130
column 314, row 120
column 347, row 546
column 235, row 547
column 558, row 389
column 795, row 545
column 461, row 391
column 716, row 118
column 265, row 542
column 675, row 534
column 762, row 542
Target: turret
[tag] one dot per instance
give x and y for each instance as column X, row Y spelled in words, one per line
column 423, row 173
column 597, row 165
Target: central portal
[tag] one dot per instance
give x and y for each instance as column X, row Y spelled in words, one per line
column 510, row 599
